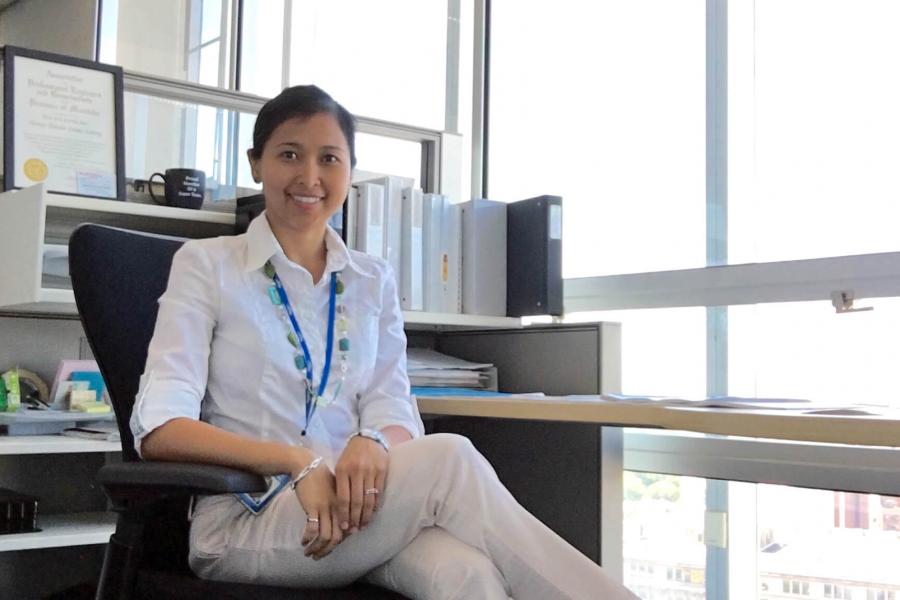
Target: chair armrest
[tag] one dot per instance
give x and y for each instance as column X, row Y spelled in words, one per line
column 178, row 478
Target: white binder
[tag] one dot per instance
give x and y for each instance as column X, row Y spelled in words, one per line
column 393, row 217
column 441, row 225
column 412, row 247
column 483, row 257
column 370, row 219
column 453, row 243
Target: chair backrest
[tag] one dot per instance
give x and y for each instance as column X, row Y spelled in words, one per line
column 118, row 276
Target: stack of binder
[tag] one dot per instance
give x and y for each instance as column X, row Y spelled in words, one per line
column 419, row 235
column 428, row 368
column 370, row 219
column 480, row 257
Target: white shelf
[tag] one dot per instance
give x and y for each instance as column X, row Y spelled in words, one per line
column 415, row 319
column 53, row 444
column 137, row 209
column 25, row 211
column 73, row 529
column 57, row 295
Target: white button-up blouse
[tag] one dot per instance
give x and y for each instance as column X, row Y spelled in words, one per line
column 220, row 351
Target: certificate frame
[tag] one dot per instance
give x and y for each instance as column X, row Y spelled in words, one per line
column 103, row 108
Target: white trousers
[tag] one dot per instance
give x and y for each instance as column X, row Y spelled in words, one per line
column 447, row 529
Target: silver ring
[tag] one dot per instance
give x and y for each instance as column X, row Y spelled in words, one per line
column 312, row 520
column 371, row 491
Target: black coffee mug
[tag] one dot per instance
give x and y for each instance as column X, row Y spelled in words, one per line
column 184, row 187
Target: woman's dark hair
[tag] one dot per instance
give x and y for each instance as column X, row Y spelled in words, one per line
column 301, row 101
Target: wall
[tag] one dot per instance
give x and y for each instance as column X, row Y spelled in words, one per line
column 63, row 27
column 39, row 344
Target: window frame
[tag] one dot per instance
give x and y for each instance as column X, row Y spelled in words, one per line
column 716, row 286
column 441, row 150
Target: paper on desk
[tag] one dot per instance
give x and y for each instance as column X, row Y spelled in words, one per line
column 712, row 402
column 456, row 392
column 787, row 404
column 803, row 407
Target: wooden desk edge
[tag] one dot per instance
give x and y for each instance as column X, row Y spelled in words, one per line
column 861, row 430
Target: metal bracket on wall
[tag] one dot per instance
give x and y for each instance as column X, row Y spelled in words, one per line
column 842, row 300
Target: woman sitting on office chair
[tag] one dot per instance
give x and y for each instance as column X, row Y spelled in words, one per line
column 282, row 352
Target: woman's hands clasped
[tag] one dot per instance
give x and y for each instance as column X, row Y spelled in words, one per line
column 340, row 504
column 360, row 476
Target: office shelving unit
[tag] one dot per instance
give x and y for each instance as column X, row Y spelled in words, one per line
column 37, row 219
column 58, row 529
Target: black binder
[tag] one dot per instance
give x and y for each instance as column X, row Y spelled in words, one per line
column 534, row 257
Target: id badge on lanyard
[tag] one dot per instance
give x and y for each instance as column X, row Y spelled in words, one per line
column 256, row 503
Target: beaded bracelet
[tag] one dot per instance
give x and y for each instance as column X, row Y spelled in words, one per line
column 306, row 471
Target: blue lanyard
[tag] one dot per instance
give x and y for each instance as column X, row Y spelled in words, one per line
column 311, row 401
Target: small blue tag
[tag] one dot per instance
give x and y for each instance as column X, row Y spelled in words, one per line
column 273, row 295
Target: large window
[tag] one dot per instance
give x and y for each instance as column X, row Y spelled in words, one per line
column 177, row 39
column 382, row 60
column 704, row 135
column 602, row 103
column 193, row 86
column 663, row 550
column 813, row 128
column 786, row 542
column 163, row 133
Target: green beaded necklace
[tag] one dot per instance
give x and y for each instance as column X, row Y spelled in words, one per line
column 337, row 320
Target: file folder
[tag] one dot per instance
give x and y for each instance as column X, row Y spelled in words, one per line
column 370, row 224
column 534, row 257
column 412, row 269
column 483, row 257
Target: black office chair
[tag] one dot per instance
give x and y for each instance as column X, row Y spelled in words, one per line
column 117, row 277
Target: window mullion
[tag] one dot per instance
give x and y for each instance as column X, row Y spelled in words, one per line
column 286, row 45
column 717, row 554
column 451, row 86
column 479, row 99
column 234, row 43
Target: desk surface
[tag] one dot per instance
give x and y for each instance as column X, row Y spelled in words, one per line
column 863, row 430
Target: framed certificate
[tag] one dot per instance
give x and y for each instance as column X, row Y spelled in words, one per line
column 62, row 120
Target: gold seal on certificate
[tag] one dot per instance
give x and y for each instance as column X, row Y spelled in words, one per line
column 35, row 169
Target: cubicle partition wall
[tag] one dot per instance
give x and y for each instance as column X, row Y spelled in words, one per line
column 556, row 470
